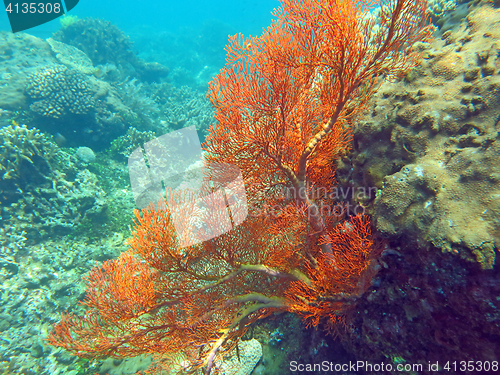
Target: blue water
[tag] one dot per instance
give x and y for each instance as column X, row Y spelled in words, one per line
column 248, row 17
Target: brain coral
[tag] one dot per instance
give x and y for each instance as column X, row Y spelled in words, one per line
column 57, row 90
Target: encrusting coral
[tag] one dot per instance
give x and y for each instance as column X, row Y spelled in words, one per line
column 284, row 104
column 429, row 145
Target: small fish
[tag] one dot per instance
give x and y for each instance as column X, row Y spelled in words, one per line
column 59, row 139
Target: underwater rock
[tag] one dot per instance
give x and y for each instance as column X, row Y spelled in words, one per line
column 71, row 56
column 244, row 361
column 430, row 144
column 19, row 54
column 85, row 155
column 427, row 306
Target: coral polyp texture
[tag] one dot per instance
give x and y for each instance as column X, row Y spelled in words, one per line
column 57, row 91
column 430, row 144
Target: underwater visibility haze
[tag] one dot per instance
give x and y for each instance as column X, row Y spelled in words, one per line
column 261, row 187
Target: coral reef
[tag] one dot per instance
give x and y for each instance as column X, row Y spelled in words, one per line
column 66, row 100
column 57, row 91
column 189, row 288
column 430, row 145
column 67, row 20
column 438, row 8
column 19, row 53
column 128, row 142
column 104, row 43
column 141, row 110
column 182, row 107
column 448, row 14
column 42, row 189
column 45, row 277
column 66, row 97
column 163, row 108
column 24, row 156
column 71, row 56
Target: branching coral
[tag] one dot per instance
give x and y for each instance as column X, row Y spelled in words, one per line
column 22, row 148
column 58, row 91
column 41, row 189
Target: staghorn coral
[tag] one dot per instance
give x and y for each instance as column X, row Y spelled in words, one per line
column 125, row 144
column 164, row 107
column 140, row 106
column 58, row 91
column 281, row 123
column 182, row 107
column 24, row 155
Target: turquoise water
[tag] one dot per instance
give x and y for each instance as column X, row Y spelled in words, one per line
column 248, row 17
